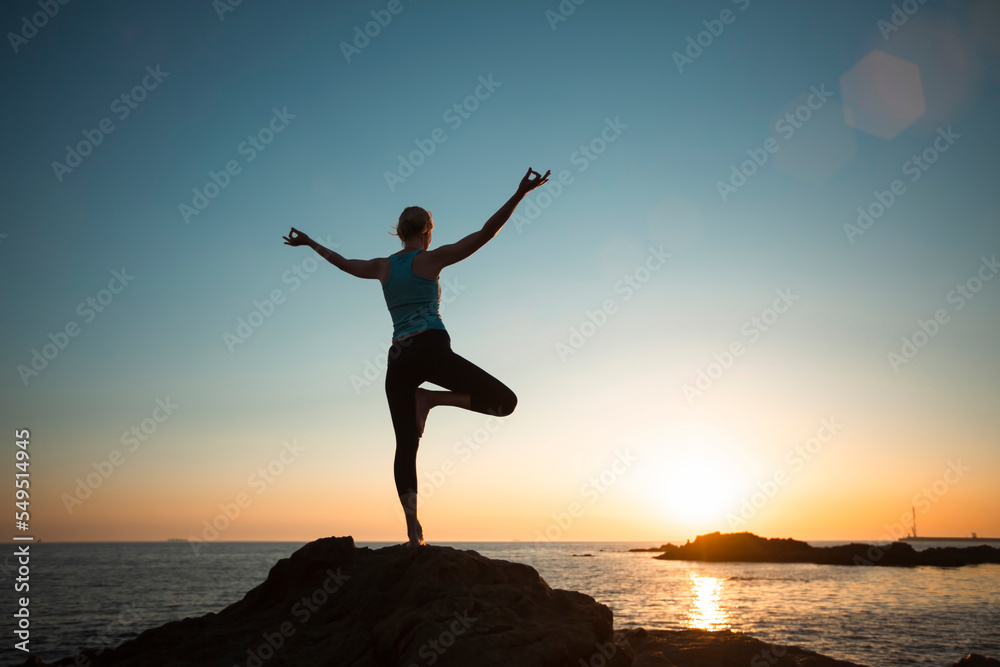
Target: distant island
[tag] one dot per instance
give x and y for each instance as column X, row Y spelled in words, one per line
column 750, row 548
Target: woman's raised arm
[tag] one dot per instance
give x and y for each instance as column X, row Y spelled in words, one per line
column 452, row 253
column 362, row 268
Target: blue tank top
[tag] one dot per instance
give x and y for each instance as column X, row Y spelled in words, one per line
column 413, row 300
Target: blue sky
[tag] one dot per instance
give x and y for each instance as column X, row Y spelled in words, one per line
column 556, row 86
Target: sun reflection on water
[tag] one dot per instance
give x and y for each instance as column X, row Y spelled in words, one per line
column 706, row 612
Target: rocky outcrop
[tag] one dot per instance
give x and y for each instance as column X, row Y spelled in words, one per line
column 332, row 603
column 747, row 547
column 976, row 660
column 701, row 648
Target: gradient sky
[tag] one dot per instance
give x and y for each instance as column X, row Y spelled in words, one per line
column 606, row 442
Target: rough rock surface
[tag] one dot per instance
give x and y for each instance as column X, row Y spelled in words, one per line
column 701, row 648
column 331, row 603
column 976, row 660
column 747, row 547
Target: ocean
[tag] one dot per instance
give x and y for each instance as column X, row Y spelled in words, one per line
column 86, row 595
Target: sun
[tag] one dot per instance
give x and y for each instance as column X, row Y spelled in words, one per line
column 699, row 490
column 692, row 477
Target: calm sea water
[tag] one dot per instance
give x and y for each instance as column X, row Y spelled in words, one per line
column 83, row 595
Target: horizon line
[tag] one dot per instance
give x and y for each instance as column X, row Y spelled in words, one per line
column 187, row 541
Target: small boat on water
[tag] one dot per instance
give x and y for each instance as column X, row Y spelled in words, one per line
column 913, row 536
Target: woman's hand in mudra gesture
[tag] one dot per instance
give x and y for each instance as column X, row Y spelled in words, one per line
column 295, row 237
column 528, row 183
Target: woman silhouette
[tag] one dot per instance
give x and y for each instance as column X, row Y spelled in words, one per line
column 421, row 348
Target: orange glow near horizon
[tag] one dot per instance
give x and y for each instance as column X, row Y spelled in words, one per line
column 687, row 477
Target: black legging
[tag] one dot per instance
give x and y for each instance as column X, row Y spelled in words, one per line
column 428, row 357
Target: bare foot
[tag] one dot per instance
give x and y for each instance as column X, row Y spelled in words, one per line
column 423, row 407
column 417, row 538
